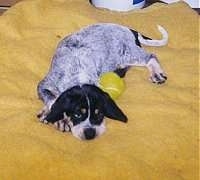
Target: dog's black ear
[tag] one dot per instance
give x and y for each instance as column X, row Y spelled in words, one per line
column 64, row 104
column 58, row 108
column 111, row 110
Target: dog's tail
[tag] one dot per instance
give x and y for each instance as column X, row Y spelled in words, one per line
column 151, row 42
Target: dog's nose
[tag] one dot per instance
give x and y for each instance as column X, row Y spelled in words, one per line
column 89, row 133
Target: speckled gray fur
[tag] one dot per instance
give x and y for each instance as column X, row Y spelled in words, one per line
column 82, row 57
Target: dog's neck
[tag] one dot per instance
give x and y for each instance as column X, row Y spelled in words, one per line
column 84, row 78
column 79, row 79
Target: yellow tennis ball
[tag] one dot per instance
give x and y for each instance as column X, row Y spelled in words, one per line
column 112, row 84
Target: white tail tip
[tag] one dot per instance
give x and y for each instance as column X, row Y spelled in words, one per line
column 153, row 42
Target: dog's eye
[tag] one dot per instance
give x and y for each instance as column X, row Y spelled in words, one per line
column 77, row 115
column 83, row 110
column 96, row 111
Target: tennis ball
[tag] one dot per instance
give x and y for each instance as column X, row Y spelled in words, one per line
column 112, row 84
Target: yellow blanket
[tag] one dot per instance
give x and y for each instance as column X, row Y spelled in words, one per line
column 160, row 141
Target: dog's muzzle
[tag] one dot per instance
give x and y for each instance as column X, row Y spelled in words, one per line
column 89, row 133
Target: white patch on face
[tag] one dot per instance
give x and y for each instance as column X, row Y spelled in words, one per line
column 100, row 129
column 78, row 130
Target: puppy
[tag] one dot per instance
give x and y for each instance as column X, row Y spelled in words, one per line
column 73, row 101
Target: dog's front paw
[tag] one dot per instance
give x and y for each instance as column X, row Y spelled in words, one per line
column 62, row 125
column 42, row 115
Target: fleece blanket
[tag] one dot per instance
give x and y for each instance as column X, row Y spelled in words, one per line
column 160, row 140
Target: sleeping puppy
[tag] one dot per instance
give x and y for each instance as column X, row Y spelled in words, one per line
column 73, row 101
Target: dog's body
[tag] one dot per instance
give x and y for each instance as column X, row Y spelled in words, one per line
column 79, row 61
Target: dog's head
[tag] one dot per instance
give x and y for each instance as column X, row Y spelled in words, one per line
column 85, row 107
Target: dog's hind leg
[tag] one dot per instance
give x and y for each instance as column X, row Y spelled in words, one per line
column 157, row 75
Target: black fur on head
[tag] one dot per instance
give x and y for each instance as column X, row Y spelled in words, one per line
column 74, row 100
